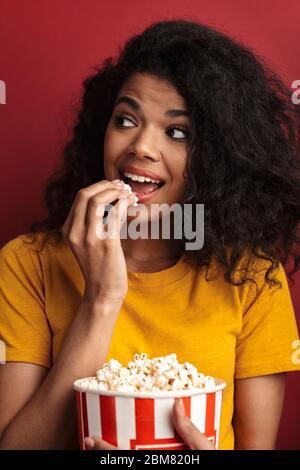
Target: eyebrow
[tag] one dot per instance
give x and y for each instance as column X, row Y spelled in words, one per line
column 136, row 106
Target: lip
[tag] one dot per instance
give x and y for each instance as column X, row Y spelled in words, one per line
column 141, row 172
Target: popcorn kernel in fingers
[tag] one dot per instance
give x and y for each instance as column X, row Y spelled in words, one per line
column 128, row 187
column 128, row 192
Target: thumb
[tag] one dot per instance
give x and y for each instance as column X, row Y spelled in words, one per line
column 188, row 431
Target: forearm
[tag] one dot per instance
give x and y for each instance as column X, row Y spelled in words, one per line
column 48, row 421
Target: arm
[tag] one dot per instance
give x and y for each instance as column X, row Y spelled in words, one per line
column 258, row 405
column 39, row 407
column 18, row 382
column 42, row 414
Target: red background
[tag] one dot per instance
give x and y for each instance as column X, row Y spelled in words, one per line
column 48, row 47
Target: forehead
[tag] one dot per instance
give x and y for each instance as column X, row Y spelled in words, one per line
column 149, row 88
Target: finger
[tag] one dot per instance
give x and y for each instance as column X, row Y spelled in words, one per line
column 67, row 224
column 87, row 194
column 118, row 214
column 77, row 217
column 94, row 443
column 89, row 443
column 82, row 210
column 101, row 198
column 95, row 228
column 188, row 431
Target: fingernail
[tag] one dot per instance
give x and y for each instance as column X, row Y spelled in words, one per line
column 115, row 181
column 89, row 442
column 180, row 407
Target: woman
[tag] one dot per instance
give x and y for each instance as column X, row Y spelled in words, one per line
column 71, row 300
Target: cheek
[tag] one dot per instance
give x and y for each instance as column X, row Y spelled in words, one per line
column 109, row 154
column 110, row 148
column 177, row 173
column 107, row 145
column 178, row 186
column 114, row 144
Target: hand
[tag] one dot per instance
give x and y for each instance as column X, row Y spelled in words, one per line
column 190, row 435
column 101, row 260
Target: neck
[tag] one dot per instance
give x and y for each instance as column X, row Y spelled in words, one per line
column 150, row 255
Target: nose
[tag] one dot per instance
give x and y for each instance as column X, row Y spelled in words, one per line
column 144, row 146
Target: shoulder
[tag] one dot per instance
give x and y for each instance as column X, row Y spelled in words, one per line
column 34, row 240
column 30, row 249
column 13, row 250
column 254, row 279
column 18, row 262
column 259, row 270
column 18, row 247
column 248, row 268
column 268, row 286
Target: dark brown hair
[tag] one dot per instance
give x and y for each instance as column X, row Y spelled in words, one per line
column 243, row 151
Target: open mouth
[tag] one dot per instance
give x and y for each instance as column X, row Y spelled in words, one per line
column 141, row 188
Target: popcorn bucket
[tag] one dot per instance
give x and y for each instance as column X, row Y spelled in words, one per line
column 143, row 420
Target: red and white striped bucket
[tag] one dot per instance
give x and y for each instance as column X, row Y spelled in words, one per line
column 143, row 420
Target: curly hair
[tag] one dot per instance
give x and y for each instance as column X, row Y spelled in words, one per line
column 243, row 148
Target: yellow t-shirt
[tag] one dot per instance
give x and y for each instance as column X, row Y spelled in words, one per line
column 222, row 329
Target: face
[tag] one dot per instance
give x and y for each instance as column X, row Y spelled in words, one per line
column 147, row 138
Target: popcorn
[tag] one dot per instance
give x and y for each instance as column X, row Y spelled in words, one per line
column 143, row 374
column 127, row 187
column 113, row 402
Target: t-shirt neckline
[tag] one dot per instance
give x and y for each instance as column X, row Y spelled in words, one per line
column 159, row 278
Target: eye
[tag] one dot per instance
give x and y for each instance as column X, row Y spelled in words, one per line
column 119, row 119
column 186, row 134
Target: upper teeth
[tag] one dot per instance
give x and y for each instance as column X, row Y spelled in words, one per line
column 141, row 179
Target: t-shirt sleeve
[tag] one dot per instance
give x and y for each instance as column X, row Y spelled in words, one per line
column 269, row 331
column 24, row 329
